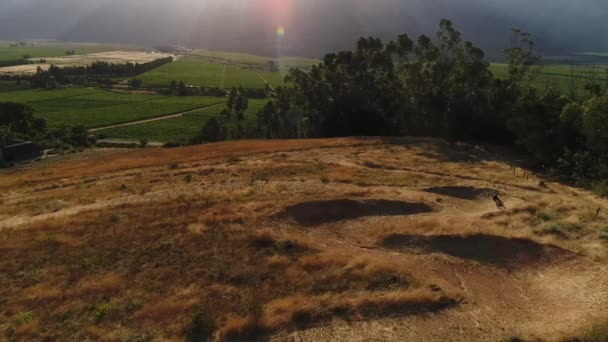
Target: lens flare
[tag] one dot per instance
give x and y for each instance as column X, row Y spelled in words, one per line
column 281, row 31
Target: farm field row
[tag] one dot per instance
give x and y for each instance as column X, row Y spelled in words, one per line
column 175, row 129
column 118, row 57
column 200, row 72
column 95, row 108
column 559, row 77
column 243, row 58
column 51, row 49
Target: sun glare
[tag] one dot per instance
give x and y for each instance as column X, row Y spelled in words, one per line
column 280, row 31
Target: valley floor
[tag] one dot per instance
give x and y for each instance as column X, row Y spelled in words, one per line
column 314, row 240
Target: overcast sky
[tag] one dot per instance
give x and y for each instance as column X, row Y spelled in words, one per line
column 311, row 26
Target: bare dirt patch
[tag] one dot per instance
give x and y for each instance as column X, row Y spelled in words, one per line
column 497, row 250
column 319, row 212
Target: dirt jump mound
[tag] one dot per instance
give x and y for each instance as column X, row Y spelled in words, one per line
column 319, row 212
column 500, row 251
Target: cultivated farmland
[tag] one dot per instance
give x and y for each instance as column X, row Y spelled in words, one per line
column 175, row 129
column 566, row 79
column 57, row 49
column 117, row 57
column 94, row 107
column 200, row 71
column 243, row 58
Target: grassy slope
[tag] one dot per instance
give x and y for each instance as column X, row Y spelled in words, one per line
column 148, row 244
column 176, row 129
column 94, row 107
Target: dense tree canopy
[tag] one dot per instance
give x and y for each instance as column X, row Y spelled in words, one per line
column 442, row 87
column 19, row 118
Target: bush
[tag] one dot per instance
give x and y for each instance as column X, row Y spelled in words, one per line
column 201, row 328
column 546, row 216
column 600, row 188
column 103, row 311
column 604, row 234
column 24, row 318
column 558, row 229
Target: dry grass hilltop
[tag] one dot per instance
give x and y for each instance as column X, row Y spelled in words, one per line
column 355, row 239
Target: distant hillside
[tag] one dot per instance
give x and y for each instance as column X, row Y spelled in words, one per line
column 312, row 27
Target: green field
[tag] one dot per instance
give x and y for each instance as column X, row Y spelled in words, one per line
column 237, row 57
column 559, row 77
column 95, row 108
column 285, row 63
column 199, row 71
column 39, row 50
column 176, row 129
column 223, row 69
column 6, row 86
column 243, row 58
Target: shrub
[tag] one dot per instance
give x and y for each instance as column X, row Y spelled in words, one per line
column 89, row 264
column 201, row 328
column 559, row 229
column 545, row 215
column 604, row 234
column 24, row 318
column 600, row 188
column 103, row 311
column 114, row 218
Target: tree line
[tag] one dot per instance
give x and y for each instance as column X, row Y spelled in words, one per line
column 18, row 122
column 442, row 87
column 67, row 74
column 230, row 124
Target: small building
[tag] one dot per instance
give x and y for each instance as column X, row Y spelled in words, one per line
column 17, row 151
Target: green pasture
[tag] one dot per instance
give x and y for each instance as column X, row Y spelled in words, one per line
column 95, row 107
column 562, row 78
column 198, row 71
column 176, row 129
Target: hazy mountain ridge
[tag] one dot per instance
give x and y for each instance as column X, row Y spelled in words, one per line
column 313, row 26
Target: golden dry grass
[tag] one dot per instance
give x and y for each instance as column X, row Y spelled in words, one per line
column 126, row 245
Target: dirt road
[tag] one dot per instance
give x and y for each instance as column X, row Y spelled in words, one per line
column 165, row 117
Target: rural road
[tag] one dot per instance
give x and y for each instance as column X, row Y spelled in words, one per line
column 158, row 118
column 263, row 79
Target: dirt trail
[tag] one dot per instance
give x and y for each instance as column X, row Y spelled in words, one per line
column 508, row 288
column 171, row 116
column 265, row 81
